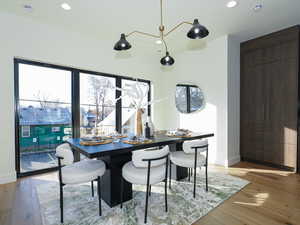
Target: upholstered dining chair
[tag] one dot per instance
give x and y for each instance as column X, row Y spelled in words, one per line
column 83, row 157
column 191, row 158
column 70, row 172
column 148, row 167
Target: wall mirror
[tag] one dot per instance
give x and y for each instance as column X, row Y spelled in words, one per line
column 188, row 98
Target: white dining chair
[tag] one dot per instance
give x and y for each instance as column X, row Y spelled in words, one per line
column 148, row 167
column 192, row 158
column 70, row 172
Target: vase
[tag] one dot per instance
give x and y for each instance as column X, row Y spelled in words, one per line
column 138, row 123
column 151, row 126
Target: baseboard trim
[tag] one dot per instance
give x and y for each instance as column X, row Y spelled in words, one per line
column 234, row 160
column 8, row 178
column 269, row 164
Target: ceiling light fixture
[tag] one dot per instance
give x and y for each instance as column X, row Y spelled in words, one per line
column 257, row 7
column 197, row 31
column 231, row 4
column 28, row 8
column 167, row 60
column 66, row 6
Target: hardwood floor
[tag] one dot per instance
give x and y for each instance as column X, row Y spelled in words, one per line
column 272, row 198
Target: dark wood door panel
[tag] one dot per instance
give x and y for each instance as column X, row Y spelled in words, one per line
column 252, row 58
column 271, row 53
column 253, row 150
column 252, row 94
column 252, row 140
column 269, row 98
column 289, row 69
column 270, row 153
column 288, row 49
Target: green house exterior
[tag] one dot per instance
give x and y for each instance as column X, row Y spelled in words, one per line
column 42, row 129
column 43, row 137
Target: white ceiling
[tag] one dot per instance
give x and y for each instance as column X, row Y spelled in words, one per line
column 107, row 19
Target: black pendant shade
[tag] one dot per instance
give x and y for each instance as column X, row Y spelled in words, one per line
column 197, row 31
column 167, row 60
column 122, row 44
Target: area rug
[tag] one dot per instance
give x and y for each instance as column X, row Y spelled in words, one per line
column 81, row 209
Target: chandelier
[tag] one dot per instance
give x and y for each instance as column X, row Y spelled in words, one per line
column 197, row 31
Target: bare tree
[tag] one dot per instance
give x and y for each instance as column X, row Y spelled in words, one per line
column 45, row 102
column 98, row 95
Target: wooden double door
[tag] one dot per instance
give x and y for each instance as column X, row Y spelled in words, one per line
column 269, row 99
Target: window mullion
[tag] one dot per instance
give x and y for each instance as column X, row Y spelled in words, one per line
column 75, row 104
column 188, row 99
column 118, row 106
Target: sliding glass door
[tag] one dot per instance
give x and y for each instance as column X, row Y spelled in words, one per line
column 97, row 105
column 54, row 103
column 128, row 111
column 44, row 115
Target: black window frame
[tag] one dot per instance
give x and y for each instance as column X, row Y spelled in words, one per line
column 75, row 103
column 188, row 95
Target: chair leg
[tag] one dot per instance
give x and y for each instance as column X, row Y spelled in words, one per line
column 150, row 190
column 99, row 195
column 170, row 175
column 121, row 194
column 206, row 178
column 146, row 207
column 189, row 174
column 195, row 182
column 166, row 195
column 61, row 203
column 92, row 185
column 195, row 172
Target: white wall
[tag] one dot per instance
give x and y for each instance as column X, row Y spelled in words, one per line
column 22, row 37
column 233, row 101
column 207, row 68
column 206, row 65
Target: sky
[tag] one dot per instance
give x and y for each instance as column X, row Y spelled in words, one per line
column 55, row 84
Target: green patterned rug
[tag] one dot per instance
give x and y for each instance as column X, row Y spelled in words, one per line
column 81, row 209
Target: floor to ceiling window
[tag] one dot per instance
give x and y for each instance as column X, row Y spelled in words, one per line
column 44, row 115
column 97, row 105
column 128, row 111
column 54, row 103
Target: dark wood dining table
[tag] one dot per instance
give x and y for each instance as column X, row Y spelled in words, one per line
column 115, row 155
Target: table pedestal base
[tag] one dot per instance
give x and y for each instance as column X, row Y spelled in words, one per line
column 111, row 181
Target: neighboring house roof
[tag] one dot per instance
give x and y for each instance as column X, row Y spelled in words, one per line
column 48, row 116
column 54, row 116
column 90, row 115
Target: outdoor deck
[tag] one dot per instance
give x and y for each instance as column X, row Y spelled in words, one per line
column 38, row 160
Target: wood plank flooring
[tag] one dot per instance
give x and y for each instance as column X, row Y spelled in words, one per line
column 272, row 198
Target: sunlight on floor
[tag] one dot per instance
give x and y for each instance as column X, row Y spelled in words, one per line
column 262, row 171
column 259, row 200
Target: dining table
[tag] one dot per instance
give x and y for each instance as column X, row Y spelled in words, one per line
column 116, row 154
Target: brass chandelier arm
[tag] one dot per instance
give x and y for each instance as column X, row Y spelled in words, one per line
column 142, row 33
column 161, row 13
column 177, row 26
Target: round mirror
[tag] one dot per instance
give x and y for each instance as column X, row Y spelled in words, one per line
column 188, row 98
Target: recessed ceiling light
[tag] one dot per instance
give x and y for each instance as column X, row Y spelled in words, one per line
column 66, row 6
column 27, row 7
column 257, row 7
column 231, row 4
column 159, row 42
